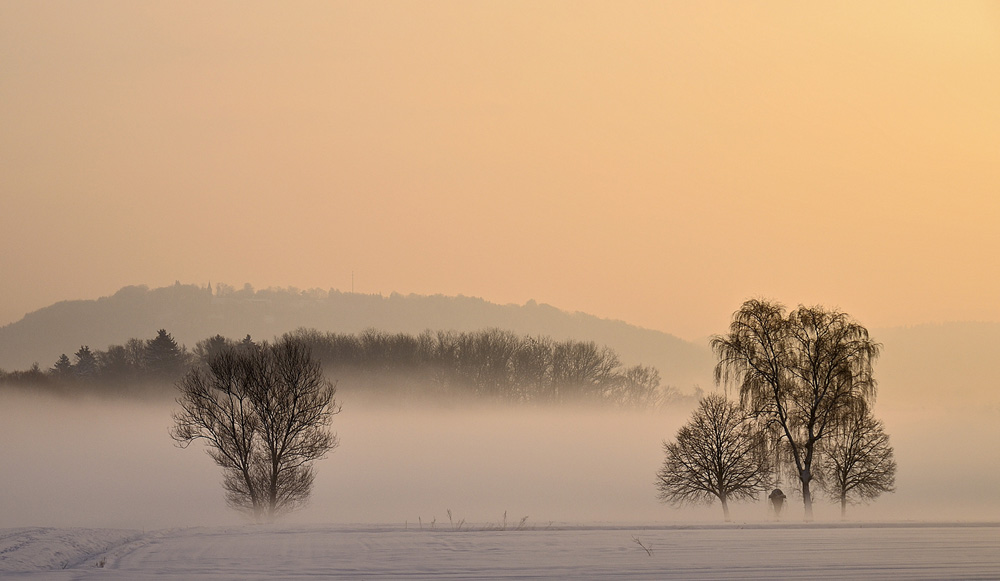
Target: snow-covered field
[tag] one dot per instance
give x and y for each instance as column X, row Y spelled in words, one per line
column 766, row 551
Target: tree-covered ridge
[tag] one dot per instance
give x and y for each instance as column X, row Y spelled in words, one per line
column 491, row 364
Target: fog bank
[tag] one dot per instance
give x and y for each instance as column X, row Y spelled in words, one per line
column 98, row 463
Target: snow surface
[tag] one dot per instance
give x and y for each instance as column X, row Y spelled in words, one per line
column 759, row 551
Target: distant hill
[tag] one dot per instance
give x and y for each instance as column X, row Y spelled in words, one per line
column 191, row 313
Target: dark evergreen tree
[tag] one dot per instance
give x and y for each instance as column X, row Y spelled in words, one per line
column 63, row 369
column 85, row 367
column 164, row 359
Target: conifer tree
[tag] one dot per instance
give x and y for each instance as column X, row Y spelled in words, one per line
column 63, row 367
column 164, row 359
column 86, row 364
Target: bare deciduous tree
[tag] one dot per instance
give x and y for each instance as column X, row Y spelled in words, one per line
column 717, row 454
column 858, row 460
column 264, row 413
column 638, row 387
column 800, row 374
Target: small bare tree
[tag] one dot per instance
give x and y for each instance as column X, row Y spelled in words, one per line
column 264, row 413
column 858, row 461
column 718, row 454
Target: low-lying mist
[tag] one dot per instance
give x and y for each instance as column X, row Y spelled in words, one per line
column 108, row 463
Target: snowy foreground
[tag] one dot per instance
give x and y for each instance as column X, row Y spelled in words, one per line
column 763, row 551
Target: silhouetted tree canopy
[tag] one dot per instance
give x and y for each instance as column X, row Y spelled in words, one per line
column 63, row 368
column 719, row 454
column 263, row 412
column 799, row 374
column 164, row 358
column 120, row 368
column 85, row 367
column 857, row 460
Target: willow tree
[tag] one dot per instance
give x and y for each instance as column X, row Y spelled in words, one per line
column 800, row 374
column 263, row 412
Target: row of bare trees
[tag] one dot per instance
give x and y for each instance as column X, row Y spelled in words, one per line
column 493, row 364
column 806, row 389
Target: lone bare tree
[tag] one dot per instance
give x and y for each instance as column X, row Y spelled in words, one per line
column 717, row 454
column 800, row 375
column 858, row 460
column 263, row 411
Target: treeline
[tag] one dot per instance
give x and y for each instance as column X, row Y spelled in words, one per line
column 491, row 364
column 120, row 368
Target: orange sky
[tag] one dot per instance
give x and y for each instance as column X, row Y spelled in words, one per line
column 647, row 161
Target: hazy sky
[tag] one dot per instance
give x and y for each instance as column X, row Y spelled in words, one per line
column 656, row 162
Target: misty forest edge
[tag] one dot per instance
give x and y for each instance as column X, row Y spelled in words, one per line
column 492, row 365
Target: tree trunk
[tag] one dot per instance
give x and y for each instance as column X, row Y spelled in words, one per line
column 807, row 500
column 725, row 507
column 843, row 506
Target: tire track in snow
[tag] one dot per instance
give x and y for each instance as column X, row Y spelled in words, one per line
column 42, row 548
